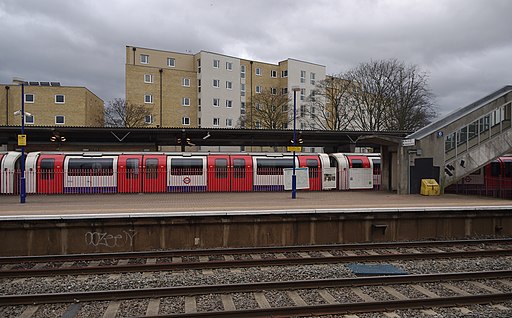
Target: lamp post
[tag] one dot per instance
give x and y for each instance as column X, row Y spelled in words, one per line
column 294, row 176
column 22, row 141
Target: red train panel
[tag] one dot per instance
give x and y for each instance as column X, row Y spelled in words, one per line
column 312, row 162
column 50, row 173
column 154, row 173
column 129, row 178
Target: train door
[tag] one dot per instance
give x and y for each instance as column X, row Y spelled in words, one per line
column 154, row 173
column 129, row 173
column 50, row 173
column 219, row 173
column 360, row 172
column 312, row 162
column 241, row 173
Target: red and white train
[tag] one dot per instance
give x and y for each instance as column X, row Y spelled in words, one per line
column 74, row 172
column 494, row 179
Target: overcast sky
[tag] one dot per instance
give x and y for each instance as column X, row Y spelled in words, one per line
column 464, row 45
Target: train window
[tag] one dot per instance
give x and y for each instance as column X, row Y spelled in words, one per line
column 495, row 169
column 46, row 169
column 221, row 168
column 449, row 143
column 272, row 166
column 90, row 167
column 312, row 165
column 356, row 163
column 508, row 169
column 239, row 168
column 132, row 168
column 186, row 166
column 152, row 168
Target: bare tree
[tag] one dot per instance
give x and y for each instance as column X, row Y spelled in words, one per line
column 331, row 106
column 118, row 113
column 267, row 110
column 390, row 96
column 412, row 106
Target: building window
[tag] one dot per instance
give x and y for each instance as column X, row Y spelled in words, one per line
column 302, row 94
column 148, row 99
column 59, row 120
column 185, row 121
column 303, row 76
column 229, row 122
column 257, row 125
column 312, row 78
column 186, row 82
column 273, row 73
column 59, row 99
column 284, row 73
column 229, row 85
column 284, row 90
column 273, row 91
column 144, row 59
column 148, row 78
column 242, row 89
column 242, row 71
column 258, row 89
column 185, row 101
column 258, row 71
column 216, row 83
column 148, row 119
column 229, row 66
column 302, row 110
column 29, row 98
column 216, row 121
column 229, row 103
column 216, row 63
column 29, row 119
column 171, row 62
column 242, row 108
column 216, row 102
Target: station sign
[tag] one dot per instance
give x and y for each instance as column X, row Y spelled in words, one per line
column 294, row 148
column 22, row 140
column 408, row 142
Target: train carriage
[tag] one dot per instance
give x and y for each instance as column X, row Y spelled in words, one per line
column 60, row 172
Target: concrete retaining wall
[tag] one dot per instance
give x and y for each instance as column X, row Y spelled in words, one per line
column 47, row 236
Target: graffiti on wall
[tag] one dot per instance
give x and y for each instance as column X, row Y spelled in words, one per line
column 110, row 240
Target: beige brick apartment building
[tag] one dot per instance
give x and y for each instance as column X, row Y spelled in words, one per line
column 50, row 104
column 207, row 89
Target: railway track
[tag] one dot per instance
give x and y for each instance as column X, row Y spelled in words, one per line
column 297, row 292
column 262, row 282
column 90, row 264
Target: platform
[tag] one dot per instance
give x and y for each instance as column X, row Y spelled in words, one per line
column 64, row 224
column 194, row 203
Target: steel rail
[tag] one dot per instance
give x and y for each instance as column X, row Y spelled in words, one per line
column 216, row 264
column 47, row 298
column 245, row 250
column 350, row 308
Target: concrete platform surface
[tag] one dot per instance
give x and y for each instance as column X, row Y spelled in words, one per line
column 245, row 201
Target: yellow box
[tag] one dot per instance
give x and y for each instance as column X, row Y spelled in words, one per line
column 429, row 187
